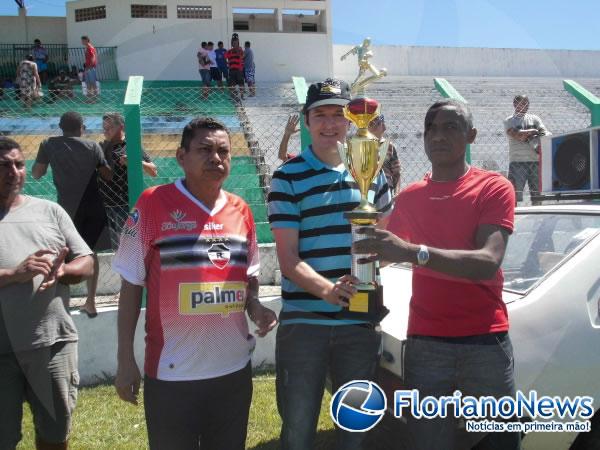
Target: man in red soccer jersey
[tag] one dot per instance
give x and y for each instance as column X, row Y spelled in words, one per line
column 194, row 247
column 453, row 226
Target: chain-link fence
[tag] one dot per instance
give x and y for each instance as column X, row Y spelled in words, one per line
column 257, row 124
column 30, row 127
column 60, row 57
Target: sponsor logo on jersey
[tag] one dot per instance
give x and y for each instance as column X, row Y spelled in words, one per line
column 219, row 254
column 211, row 226
column 179, row 223
column 129, row 228
column 212, row 298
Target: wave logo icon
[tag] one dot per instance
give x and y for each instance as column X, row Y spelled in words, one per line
column 358, row 406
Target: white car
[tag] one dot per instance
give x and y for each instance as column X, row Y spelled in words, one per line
column 552, row 291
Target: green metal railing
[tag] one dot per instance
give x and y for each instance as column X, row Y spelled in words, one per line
column 59, row 57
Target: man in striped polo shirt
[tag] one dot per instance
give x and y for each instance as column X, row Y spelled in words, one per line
column 308, row 198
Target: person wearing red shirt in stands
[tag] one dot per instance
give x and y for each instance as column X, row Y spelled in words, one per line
column 91, row 61
column 453, row 226
column 235, row 60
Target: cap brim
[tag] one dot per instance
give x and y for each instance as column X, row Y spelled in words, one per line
column 329, row 101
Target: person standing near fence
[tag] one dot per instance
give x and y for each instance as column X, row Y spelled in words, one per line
column 40, row 54
column 28, row 81
column 42, row 254
column 204, row 69
column 235, row 60
column 115, row 193
column 249, row 68
column 221, row 60
column 215, row 73
column 309, row 195
column 524, row 130
column 74, row 162
column 391, row 165
column 89, row 73
column 194, row 247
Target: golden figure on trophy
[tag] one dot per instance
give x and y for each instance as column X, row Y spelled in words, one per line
column 363, row 155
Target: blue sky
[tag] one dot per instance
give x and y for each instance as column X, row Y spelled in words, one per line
column 545, row 24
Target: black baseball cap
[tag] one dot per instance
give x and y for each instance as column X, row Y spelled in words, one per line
column 329, row 92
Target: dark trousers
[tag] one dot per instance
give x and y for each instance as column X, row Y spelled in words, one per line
column 475, row 365
column 213, row 413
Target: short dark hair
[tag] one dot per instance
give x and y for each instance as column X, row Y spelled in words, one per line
column 85, row 37
column 30, row 57
column 220, row 43
column 7, row 144
column 71, row 121
column 115, row 118
column 200, row 123
column 203, row 44
column 210, row 43
column 462, row 108
column 247, row 44
column 35, row 41
column 519, row 98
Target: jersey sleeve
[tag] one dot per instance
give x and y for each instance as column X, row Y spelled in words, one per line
column 497, row 203
column 253, row 255
column 284, row 211
column 130, row 259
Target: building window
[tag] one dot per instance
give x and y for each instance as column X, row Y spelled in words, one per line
column 241, row 25
column 149, row 11
column 308, row 27
column 94, row 13
column 194, row 12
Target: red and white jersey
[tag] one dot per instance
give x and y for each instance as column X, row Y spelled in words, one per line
column 195, row 264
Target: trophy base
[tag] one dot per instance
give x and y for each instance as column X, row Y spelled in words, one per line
column 367, row 304
column 362, row 217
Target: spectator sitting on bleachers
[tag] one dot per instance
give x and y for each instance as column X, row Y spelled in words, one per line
column 60, row 87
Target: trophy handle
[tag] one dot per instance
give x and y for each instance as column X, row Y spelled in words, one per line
column 343, row 152
column 383, row 148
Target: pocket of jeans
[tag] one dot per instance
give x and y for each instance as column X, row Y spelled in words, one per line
column 285, row 331
column 506, row 348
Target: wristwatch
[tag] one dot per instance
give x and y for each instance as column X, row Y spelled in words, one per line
column 422, row 255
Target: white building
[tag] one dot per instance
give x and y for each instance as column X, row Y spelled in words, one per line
column 159, row 39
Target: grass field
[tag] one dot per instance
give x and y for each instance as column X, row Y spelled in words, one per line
column 103, row 422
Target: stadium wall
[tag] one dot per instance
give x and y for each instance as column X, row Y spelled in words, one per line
column 472, row 62
column 24, row 29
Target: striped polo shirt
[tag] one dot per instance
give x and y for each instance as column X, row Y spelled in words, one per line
column 310, row 196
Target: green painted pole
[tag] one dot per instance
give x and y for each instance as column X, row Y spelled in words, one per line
column 133, row 131
column 585, row 97
column 446, row 90
column 301, row 89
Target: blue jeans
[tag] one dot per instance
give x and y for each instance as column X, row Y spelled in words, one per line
column 475, row 365
column 520, row 173
column 304, row 355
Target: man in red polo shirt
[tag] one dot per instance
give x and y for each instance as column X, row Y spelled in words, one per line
column 91, row 61
column 453, row 226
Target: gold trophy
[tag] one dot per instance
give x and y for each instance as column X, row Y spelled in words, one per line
column 363, row 155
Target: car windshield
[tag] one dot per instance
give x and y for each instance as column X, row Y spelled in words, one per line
column 540, row 242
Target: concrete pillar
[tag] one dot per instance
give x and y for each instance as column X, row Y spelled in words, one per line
column 279, row 16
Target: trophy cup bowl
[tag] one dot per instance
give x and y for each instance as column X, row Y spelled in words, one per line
column 363, row 155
